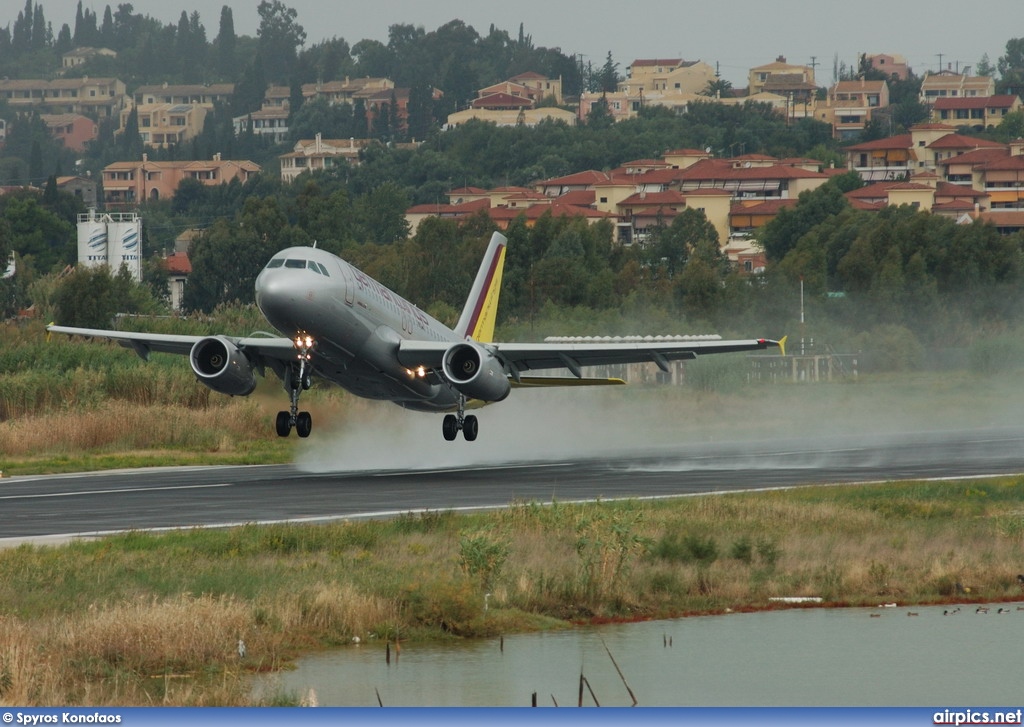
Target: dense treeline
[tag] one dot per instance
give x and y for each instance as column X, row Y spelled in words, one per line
column 905, row 277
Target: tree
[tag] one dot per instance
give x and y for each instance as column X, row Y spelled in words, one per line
column 717, row 88
column 608, row 78
column 91, row 296
column 226, row 43
column 227, row 258
column 984, row 67
column 280, row 37
column 1011, row 68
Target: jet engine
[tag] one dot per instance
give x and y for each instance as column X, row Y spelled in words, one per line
column 220, row 365
column 475, row 372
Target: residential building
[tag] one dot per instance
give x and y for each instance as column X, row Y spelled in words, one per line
column 978, row 112
column 79, row 56
column 998, row 172
column 511, row 117
column 126, row 184
column 166, row 124
column 851, row 106
column 178, row 267
column 897, row 157
column 747, row 180
column 528, row 85
column 318, row 154
column 620, row 105
column 269, row 122
column 82, row 187
column 345, row 91
column 924, row 191
column 789, row 77
column 647, row 78
column 74, row 131
column 208, row 95
column 97, row 98
column 893, row 66
column 947, row 84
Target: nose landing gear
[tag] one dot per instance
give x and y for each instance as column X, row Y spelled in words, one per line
column 298, row 378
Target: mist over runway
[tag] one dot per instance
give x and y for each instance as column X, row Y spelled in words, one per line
column 38, row 507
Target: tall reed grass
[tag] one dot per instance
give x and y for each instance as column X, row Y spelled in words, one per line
column 146, row 618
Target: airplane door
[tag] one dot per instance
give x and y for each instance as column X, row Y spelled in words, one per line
column 348, row 283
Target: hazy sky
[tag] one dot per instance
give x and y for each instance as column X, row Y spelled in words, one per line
column 736, row 34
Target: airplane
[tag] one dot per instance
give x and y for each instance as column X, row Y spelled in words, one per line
column 341, row 325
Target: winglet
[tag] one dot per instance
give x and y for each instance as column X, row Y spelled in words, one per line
column 782, row 345
column 481, row 309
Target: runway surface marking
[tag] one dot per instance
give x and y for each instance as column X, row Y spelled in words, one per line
column 114, row 491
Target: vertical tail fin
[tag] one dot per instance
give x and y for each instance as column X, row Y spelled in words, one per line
column 481, row 309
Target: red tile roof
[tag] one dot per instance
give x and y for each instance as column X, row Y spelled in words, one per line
column 177, row 263
column 588, row 177
column 959, row 141
column 948, row 103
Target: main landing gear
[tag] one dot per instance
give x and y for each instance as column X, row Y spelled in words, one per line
column 297, row 379
column 454, row 423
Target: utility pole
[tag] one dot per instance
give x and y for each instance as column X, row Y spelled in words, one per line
column 940, row 61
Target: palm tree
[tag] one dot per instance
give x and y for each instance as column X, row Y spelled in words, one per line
column 718, row 87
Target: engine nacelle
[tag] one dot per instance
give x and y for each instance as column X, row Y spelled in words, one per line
column 475, row 372
column 220, row 365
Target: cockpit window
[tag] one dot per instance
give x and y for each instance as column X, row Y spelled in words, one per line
column 323, row 270
column 276, row 263
column 292, row 263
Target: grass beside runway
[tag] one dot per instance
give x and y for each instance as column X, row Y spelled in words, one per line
column 156, row 618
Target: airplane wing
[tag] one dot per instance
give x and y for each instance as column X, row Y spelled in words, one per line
column 571, row 355
column 144, row 343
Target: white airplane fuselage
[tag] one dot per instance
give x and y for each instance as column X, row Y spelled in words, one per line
column 357, row 324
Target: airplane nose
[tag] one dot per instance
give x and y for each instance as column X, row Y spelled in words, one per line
column 276, row 294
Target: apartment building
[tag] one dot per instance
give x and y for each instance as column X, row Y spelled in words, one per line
column 996, row 171
column 529, row 85
column 208, row 95
column 977, row 112
column 653, row 77
column 947, row 84
column 893, row 66
column 80, row 56
column 851, row 106
column 781, row 77
column 74, row 131
column 98, row 98
column 166, row 124
column 126, row 184
column 319, row 154
column 269, row 122
column 920, row 150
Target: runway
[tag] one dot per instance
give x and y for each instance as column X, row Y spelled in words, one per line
column 48, row 507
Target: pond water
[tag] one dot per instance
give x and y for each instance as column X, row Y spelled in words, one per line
column 794, row 657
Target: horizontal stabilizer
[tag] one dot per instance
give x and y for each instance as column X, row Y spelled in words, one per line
column 538, row 381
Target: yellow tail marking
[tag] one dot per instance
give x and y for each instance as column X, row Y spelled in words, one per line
column 483, row 331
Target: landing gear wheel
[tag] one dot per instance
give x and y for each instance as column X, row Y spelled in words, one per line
column 470, row 428
column 303, row 424
column 450, row 427
column 284, row 424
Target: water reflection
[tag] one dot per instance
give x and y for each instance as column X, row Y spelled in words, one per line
column 829, row 657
